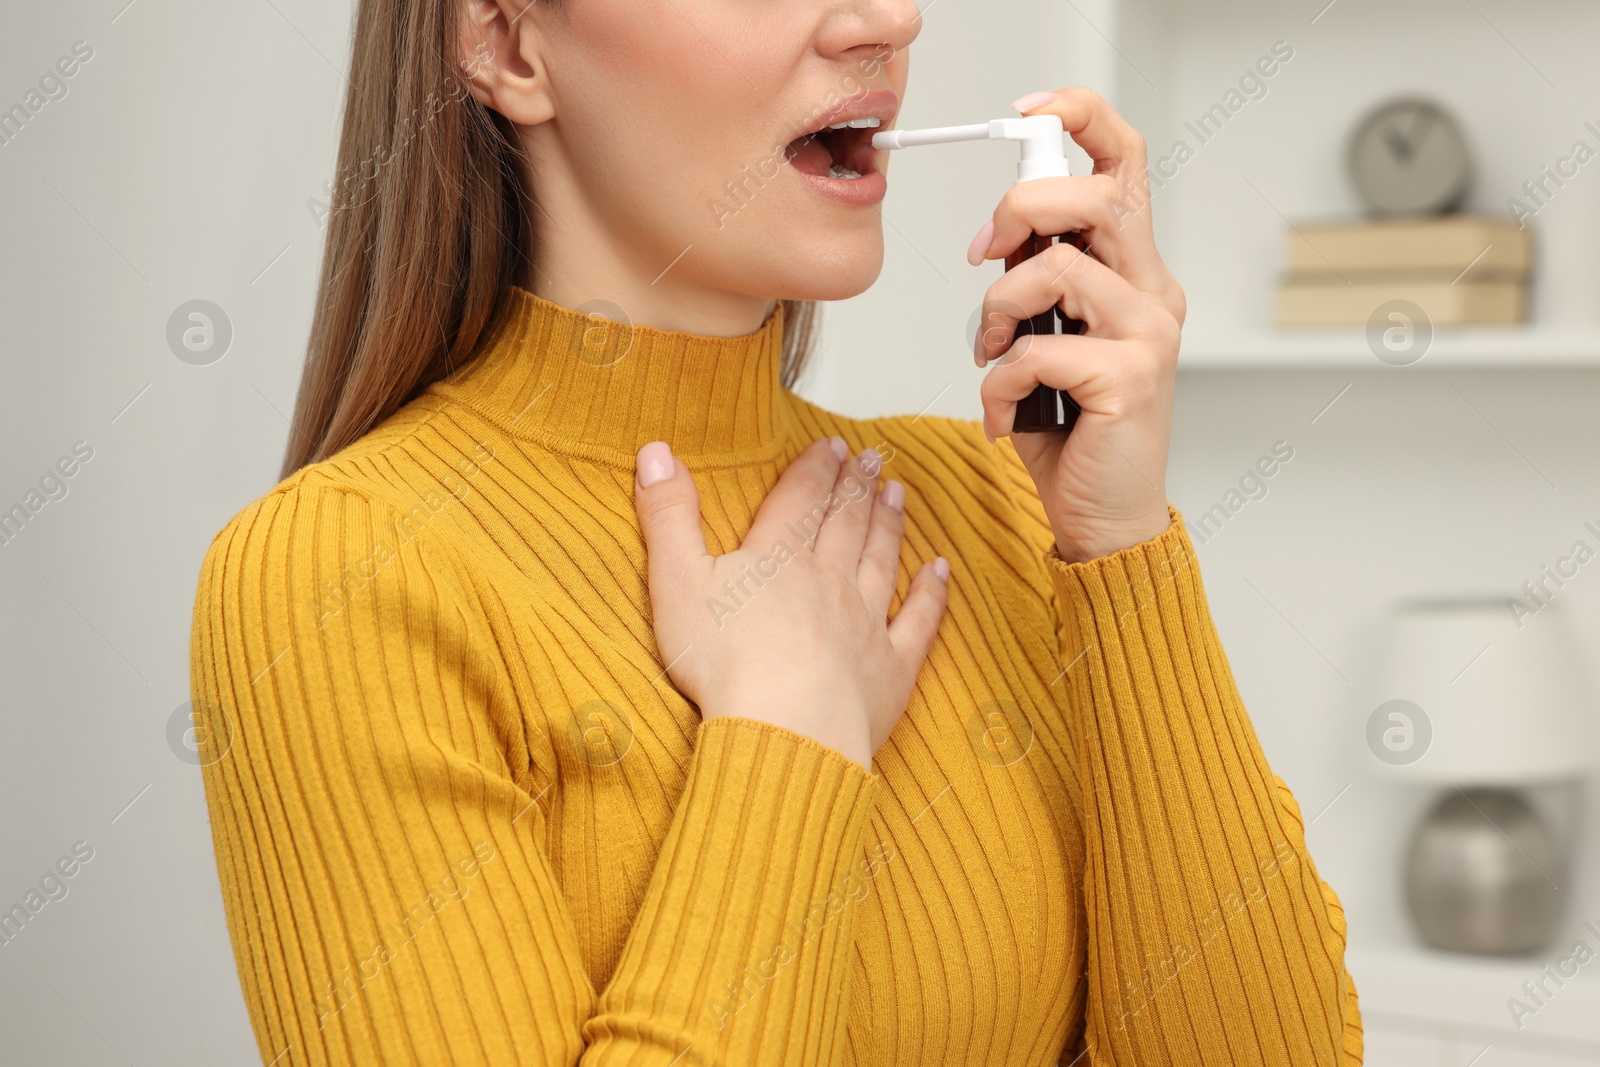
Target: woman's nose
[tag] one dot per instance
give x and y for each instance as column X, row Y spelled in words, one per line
column 871, row 24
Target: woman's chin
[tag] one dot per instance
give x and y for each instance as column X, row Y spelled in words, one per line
column 837, row 273
column 819, row 263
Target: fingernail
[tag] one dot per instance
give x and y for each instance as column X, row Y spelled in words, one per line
column 980, row 243
column 989, row 435
column 941, row 567
column 894, row 494
column 1031, row 101
column 840, row 449
column 871, row 461
column 655, row 463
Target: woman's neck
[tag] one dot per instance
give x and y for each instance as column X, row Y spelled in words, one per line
column 601, row 389
column 580, row 261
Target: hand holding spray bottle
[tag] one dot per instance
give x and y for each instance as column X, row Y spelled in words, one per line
column 1043, row 156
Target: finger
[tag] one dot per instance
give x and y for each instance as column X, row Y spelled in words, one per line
column 1094, row 371
column 1107, row 211
column 917, row 622
column 879, row 568
column 849, row 510
column 1068, row 278
column 1085, row 203
column 1097, row 128
column 669, row 516
column 793, row 512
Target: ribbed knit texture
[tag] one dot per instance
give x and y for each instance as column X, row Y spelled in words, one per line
column 462, row 816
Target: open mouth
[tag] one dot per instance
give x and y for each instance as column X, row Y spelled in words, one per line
column 841, row 151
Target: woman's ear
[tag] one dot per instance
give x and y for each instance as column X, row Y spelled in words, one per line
column 502, row 64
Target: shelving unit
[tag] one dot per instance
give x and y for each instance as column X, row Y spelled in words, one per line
column 1222, row 216
column 1415, row 993
column 1497, row 347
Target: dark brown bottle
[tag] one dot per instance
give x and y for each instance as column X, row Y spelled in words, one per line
column 1045, row 409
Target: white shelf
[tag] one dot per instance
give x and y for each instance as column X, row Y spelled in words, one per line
column 1507, row 347
column 1414, row 989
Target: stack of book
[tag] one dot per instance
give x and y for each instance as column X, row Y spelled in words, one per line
column 1462, row 270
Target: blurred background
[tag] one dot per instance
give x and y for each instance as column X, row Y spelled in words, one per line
column 1392, row 311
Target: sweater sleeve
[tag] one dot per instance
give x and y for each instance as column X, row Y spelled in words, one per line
column 380, row 830
column 1212, row 938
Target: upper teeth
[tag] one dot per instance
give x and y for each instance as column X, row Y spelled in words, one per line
column 856, row 124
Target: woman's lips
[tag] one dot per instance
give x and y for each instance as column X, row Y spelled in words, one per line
column 819, row 156
column 865, row 191
column 814, row 158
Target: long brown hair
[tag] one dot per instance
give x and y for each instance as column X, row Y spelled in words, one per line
column 429, row 226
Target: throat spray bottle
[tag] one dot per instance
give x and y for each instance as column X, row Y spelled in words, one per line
column 1043, row 156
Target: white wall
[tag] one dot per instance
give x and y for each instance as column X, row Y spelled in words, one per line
column 177, row 167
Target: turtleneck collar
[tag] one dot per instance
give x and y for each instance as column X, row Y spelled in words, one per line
column 601, row 389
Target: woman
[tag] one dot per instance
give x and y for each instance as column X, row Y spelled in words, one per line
column 569, row 717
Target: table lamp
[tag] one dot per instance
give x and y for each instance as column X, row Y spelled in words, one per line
column 1484, row 700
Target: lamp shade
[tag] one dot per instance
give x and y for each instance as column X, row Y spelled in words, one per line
column 1473, row 692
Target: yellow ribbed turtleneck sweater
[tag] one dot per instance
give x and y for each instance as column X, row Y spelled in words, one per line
column 462, row 816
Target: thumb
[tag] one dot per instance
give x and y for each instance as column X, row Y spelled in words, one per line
column 917, row 622
column 669, row 514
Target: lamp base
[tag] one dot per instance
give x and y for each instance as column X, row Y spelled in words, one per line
column 1482, row 874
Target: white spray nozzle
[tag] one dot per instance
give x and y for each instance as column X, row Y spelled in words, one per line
column 1043, row 153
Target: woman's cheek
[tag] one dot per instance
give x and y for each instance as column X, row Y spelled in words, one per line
column 662, row 52
column 638, row 55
